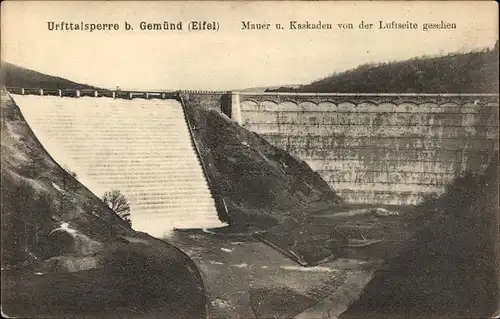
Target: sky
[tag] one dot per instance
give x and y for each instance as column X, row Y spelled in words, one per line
column 231, row 58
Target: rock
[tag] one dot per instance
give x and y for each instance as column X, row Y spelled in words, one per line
column 69, row 264
column 382, row 212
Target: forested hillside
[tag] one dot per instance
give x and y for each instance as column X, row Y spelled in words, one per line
column 16, row 76
column 473, row 72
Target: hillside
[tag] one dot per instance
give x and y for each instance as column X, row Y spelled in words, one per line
column 16, row 76
column 265, row 188
column 473, row 72
column 262, row 184
column 452, row 271
column 65, row 253
column 267, row 88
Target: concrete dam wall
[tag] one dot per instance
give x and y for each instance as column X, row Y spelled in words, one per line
column 142, row 147
column 379, row 149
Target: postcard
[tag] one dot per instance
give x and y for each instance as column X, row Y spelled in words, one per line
column 250, row 159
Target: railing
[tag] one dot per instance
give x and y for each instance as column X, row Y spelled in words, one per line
column 118, row 93
column 366, row 94
column 158, row 93
column 94, row 93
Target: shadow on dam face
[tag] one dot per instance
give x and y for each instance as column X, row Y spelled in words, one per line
column 141, row 147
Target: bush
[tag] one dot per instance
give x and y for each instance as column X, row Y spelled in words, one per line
column 119, row 203
column 36, row 161
column 460, row 220
column 69, row 186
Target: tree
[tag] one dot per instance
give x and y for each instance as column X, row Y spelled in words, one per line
column 36, row 160
column 69, row 188
column 119, row 203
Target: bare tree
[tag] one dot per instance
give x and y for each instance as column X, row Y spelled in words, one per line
column 119, row 203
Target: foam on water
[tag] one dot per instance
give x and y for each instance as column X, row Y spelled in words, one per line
column 308, row 269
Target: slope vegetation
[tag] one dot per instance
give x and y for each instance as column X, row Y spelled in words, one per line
column 474, row 72
column 453, row 270
column 16, row 76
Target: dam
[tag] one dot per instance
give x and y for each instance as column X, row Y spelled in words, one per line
column 142, row 147
column 391, row 149
column 376, row 149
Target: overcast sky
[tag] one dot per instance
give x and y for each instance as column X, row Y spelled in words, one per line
column 230, row 58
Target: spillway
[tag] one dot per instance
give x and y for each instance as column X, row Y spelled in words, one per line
column 141, row 147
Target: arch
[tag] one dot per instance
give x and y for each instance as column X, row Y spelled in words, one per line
column 268, row 105
column 412, row 107
column 244, row 98
column 385, row 100
column 289, row 106
column 366, row 106
column 386, row 107
column 290, row 101
column 249, row 105
column 451, row 103
column 326, row 106
column 429, row 104
column 346, row 106
column 308, row 105
column 370, row 101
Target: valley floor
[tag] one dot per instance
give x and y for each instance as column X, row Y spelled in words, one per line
column 246, row 278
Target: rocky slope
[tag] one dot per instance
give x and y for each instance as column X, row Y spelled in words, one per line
column 266, row 191
column 262, row 185
column 452, row 270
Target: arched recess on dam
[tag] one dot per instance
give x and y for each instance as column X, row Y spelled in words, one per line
column 378, row 148
column 140, row 146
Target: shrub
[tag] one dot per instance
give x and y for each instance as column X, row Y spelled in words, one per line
column 69, row 186
column 36, row 161
column 119, row 203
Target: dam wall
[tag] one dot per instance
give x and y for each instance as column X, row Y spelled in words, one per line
column 391, row 149
column 388, row 149
column 143, row 147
